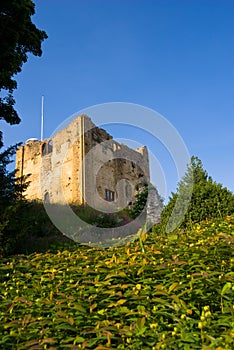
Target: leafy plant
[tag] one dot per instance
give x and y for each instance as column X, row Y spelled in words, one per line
column 139, row 203
column 209, row 199
column 176, row 294
column 11, row 200
column 100, row 219
column 19, row 37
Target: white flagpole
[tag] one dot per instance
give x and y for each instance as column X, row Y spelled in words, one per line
column 42, row 117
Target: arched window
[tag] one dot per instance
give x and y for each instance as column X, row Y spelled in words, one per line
column 47, row 147
column 44, row 149
column 128, row 190
column 46, row 197
column 50, row 146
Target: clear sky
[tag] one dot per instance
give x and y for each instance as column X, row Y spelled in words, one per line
column 173, row 56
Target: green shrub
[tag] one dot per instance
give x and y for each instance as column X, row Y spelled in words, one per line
column 209, row 200
column 20, row 223
column 12, row 213
column 102, row 219
column 139, row 203
column 178, row 294
column 26, row 227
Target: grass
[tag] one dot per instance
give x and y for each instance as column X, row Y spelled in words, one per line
column 162, row 292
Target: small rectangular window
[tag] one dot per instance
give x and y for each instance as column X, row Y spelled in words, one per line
column 109, row 195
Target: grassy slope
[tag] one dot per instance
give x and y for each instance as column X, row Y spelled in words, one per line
column 176, row 293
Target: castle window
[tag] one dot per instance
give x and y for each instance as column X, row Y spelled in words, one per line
column 47, row 147
column 128, row 191
column 109, row 195
column 46, row 198
column 44, row 149
column 50, row 146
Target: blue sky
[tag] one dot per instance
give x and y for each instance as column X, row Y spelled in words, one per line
column 175, row 57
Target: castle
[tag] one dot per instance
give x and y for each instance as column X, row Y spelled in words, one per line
column 82, row 164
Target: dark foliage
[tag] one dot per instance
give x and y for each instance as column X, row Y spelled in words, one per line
column 209, row 200
column 139, row 203
column 18, row 37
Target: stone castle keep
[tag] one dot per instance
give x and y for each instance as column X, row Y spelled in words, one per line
column 82, row 164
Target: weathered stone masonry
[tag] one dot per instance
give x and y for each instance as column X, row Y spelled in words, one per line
column 82, row 164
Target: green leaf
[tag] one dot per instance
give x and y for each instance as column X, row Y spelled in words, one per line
column 226, row 288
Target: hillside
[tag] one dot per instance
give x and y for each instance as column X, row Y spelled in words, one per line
column 164, row 292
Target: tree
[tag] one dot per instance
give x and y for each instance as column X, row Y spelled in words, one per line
column 18, row 37
column 11, row 203
column 141, row 196
column 209, row 199
column 11, row 189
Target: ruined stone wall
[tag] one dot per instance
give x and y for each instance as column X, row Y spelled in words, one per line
column 54, row 166
column 79, row 163
column 111, row 166
column 28, row 161
column 61, row 168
